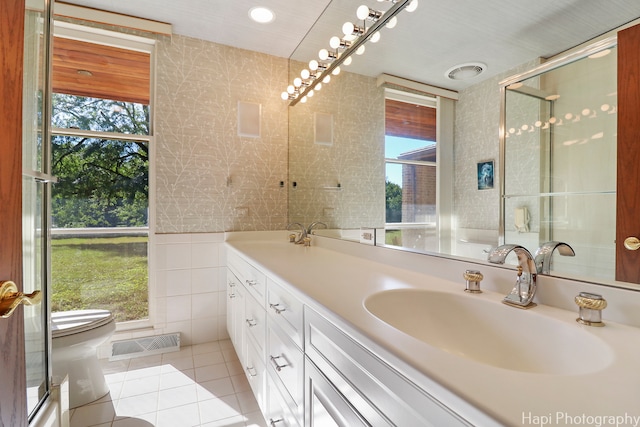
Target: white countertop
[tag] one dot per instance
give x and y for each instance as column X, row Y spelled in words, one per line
column 337, row 283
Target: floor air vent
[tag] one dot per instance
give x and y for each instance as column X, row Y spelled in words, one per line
column 145, row 346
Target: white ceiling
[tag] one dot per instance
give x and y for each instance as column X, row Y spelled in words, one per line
column 423, row 46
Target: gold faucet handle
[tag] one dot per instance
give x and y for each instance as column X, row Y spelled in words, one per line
column 590, row 311
column 591, row 301
column 472, row 276
column 473, row 279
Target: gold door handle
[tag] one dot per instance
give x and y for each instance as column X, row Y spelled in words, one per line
column 10, row 298
column 632, row 243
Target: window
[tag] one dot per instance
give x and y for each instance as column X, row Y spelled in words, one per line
column 411, row 175
column 100, row 155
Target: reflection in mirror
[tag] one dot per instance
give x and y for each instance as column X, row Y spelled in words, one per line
column 342, row 183
column 560, row 127
column 411, row 171
column 469, row 207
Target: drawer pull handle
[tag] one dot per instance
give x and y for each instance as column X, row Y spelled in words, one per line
column 232, row 295
column 232, row 285
column 251, row 322
column 274, row 360
column 276, row 308
column 252, row 371
column 251, row 282
column 273, row 422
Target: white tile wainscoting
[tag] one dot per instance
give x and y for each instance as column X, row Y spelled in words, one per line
column 187, row 279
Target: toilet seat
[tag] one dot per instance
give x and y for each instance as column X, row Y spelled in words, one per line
column 65, row 323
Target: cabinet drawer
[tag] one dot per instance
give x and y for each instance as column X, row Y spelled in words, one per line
column 326, row 406
column 253, row 279
column 373, row 388
column 286, row 362
column 278, row 414
column 255, row 322
column 285, row 310
column 256, row 374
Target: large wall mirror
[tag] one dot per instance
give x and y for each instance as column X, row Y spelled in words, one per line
column 559, row 142
column 341, row 180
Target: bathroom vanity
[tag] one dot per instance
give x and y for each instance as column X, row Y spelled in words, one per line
column 346, row 334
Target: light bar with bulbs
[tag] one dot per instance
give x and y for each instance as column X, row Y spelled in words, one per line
column 353, row 41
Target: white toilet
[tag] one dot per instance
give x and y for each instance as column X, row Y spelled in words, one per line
column 75, row 338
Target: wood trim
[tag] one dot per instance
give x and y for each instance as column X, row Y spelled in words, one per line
column 117, row 73
column 410, row 120
column 13, row 402
column 628, row 172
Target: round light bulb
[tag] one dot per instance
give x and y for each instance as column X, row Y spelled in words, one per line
column 347, row 61
column 348, row 28
column 297, row 82
column 360, row 50
column 304, row 99
column 305, row 74
column 318, row 86
column 375, row 38
column 336, row 71
column 334, row 42
column 392, row 22
column 313, row 65
column 412, row 6
column 291, row 89
column 323, row 54
column 326, row 80
column 310, row 93
column 362, row 12
column 284, row 95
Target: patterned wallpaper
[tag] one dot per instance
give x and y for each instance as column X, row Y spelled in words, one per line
column 355, row 160
column 209, row 179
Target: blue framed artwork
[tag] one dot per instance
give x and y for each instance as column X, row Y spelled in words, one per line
column 485, row 175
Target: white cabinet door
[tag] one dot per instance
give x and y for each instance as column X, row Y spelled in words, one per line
column 235, row 312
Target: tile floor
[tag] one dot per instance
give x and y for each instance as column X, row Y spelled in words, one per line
column 201, row 385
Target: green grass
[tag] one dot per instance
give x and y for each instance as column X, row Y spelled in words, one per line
column 107, row 273
column 393, row 237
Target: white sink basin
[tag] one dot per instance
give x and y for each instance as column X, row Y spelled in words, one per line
column 492, row 333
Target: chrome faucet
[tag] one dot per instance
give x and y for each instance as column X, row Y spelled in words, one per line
column 302, row 233
column 525, row 288
column 528, row 269
column 544, row 252
column 313, row 225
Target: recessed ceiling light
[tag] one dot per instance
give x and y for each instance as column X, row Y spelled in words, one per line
column 262, row 15
column 465, row 71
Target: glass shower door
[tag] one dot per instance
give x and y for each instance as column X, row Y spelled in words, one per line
column 35, row 189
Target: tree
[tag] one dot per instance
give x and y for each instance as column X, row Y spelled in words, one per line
column 101, row 182
column 393, row 195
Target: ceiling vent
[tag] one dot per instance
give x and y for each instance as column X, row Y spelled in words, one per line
column 465, row 71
